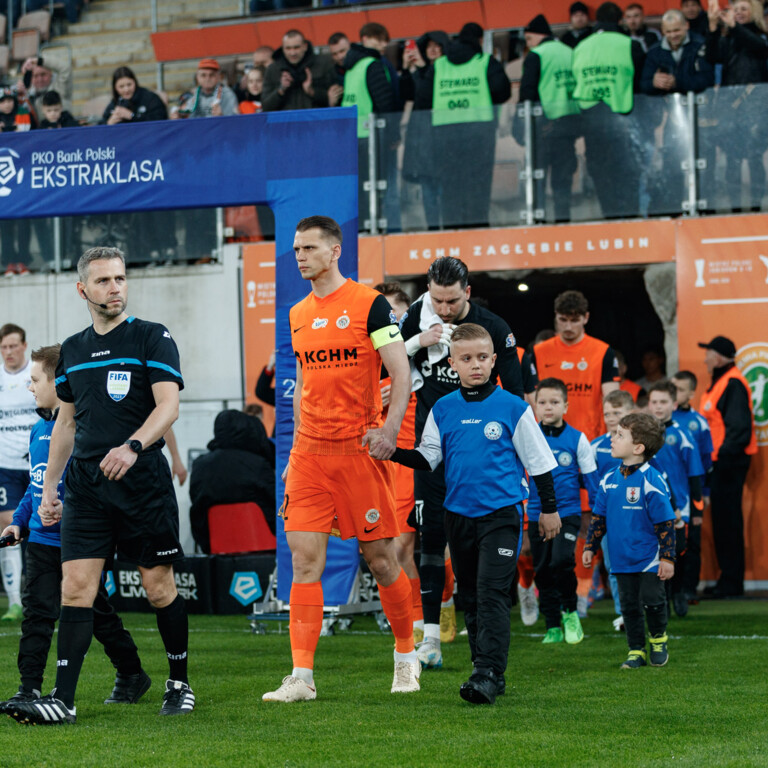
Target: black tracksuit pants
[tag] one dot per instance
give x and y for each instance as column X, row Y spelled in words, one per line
column 484, row 554
column 554, row 566
column 643, row 598
column 42, row 603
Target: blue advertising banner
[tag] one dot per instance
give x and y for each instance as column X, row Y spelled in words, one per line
column 300, row 163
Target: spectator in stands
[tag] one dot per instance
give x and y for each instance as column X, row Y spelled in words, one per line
column 130, row 102
column 677, row 65
column 39, row 75
column 297, row 78
column 737, row 39
column 465, row 138
column 211, row 98
column 155, row 238
column 548, row 80
column 239, row 467
column 54, row 114
column 14, row 116
column 419, row 162
column 262, row 56
column 637, row 29
column 250, row 102
column 696, row 16
column 338, row 45
column 579, row 25
column 607, row 68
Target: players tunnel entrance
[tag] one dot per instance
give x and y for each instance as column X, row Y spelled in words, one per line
column 621, row 312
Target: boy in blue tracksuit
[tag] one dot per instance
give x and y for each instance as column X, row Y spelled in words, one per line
column 487, row 438
column 698, row 427
column 632, row 507
column 42, row 595
column 678, row 459
column 616, row 405
column 553, row 560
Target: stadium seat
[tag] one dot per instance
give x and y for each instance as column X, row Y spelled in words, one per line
column 239, row 528
column 25, row 44
column 40, row 20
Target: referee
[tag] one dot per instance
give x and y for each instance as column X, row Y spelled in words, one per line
column 119, row 384
column 426, row 329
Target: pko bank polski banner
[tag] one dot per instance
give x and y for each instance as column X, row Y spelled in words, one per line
column 300, row 163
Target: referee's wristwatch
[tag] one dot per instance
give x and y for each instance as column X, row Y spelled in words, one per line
column 134, row 445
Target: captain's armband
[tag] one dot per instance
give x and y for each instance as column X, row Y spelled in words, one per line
column 386, row 335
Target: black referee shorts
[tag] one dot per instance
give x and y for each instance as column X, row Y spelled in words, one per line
column 137, row 516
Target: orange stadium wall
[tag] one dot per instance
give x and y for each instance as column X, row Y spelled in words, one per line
column 402, row 21
column 722, row 288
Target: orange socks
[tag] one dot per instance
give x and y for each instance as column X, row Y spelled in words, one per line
column 396, row 602
column 525, row 570
column 449, row 581
column 418, row 612
column 306, row 622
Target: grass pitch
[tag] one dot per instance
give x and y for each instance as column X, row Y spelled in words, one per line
column 565, row 705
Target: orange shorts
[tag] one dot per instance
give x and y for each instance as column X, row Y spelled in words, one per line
column 341, row 495
column 404, row 497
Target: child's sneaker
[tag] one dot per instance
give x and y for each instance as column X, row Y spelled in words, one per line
column 635, row 660
column 572, row 628
column 554, row 635
column 659, row 655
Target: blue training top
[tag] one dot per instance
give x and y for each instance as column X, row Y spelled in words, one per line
column 678, row 460
column 631, row 507
column 698, row 429
column 574, row 461
column 601, row 450
column 486, row 446
column 26, row 514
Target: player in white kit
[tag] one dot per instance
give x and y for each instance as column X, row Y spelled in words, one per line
column 17, row 415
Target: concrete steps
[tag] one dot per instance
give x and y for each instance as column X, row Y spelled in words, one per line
column 113, row 33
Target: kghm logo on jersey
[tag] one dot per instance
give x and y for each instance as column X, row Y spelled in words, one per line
column 492, row 430
column 633, row 494
column 564, row 459
column 118, row 384
column 319, row 322
column 9, row 173
column 752, row 361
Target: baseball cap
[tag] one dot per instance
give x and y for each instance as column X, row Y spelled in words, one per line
column 721, row 345
column 539, row 25
column 208, row 64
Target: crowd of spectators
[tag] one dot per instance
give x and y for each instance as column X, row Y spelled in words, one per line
column 434, row 126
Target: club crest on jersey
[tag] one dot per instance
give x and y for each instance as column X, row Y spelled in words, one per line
column 319, row 322
column 564, row 459
column 582, row 365
column 671, row 439
column 633, row 494
column 492, row 430
column 372, row 516
column 343, row 322
column 118, row 384
column 692, row 426
column 511, row 341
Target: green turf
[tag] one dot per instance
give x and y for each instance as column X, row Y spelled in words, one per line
column 565, row 705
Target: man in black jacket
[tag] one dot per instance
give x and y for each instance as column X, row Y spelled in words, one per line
column 297, row 78
column 239, row 467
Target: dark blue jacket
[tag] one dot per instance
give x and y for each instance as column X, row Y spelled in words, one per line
column 692, row 73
